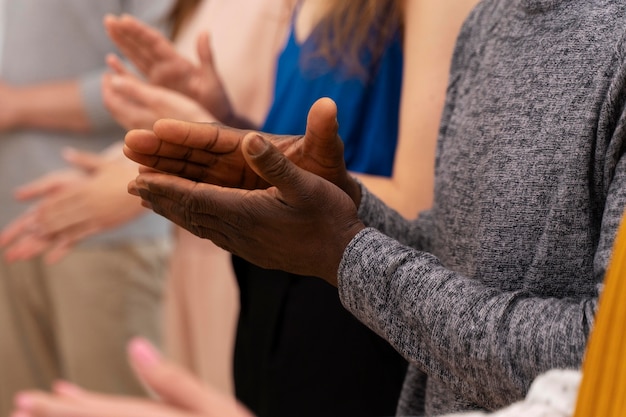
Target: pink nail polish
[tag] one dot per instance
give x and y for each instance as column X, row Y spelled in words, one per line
column 143, row 352
column 66, row 389
column 24, row 402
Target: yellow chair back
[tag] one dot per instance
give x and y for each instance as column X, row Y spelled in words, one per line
column 602, row 390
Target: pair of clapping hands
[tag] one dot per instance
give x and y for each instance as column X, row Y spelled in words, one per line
column 90, row 196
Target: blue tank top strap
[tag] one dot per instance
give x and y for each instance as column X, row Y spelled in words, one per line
column 296, row 10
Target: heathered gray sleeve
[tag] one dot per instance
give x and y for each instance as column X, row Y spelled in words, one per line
column 154, row 13
column 486, row 343
column 460, row 330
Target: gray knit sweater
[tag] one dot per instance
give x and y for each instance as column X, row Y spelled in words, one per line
column 499, row 281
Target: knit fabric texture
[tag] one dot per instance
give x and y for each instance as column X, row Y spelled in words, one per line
column 499, row 281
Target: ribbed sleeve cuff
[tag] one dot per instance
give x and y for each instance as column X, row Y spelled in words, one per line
column 359, row 275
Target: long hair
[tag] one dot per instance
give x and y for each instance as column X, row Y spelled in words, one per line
column 353, row 27
column 180, row 12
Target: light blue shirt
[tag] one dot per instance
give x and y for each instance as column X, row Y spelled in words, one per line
column 2, row 26
column 59, row 40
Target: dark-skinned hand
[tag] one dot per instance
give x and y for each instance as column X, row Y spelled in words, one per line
column 301, row 223
column 211, row 153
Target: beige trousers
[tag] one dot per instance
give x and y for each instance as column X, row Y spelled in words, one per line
column 201, row 308
column 73, row 319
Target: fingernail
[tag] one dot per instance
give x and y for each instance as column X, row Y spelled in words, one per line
column 24, row 402
column 66, row 389
column 143, row 353
column 256, row 145
column 116, row 80
column 132, row 190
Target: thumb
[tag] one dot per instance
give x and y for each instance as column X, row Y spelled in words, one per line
column 116, row 65
column 176, row 386
column 154, row 372
column 40, row 187
column 321, row 139
column 205, row 52
column 134, row 89
column 272, row 165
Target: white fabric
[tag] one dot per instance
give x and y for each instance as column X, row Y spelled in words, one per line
column 553, row 394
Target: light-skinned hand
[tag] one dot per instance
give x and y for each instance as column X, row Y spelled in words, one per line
column 71, row 205
column 180, row 394
column 158, row 60
column 136, row 104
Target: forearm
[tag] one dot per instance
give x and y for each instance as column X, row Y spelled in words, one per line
column 54, row 106
column 458, row 330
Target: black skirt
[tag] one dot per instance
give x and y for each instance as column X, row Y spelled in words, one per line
column 298, row 352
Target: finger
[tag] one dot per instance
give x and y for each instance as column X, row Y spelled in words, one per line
column 87, row 161
column 118, row 33
column 116, row 65
column 176, row 386
column 134, row 89
column 17, row 227
column 205, row 52
column 142, row 169
column 27, row 246
column 56, row 215
column 40, row 404
column 125, row 111
column 166, row 192
column 208, row 211
column 141, row 44
column 273, row 166
column 210, row 137
column 66, row 241
column 40, row 187
column 71, row 401
column 190, row 150
column 143, row 147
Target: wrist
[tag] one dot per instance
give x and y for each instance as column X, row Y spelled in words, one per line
column 14, row 113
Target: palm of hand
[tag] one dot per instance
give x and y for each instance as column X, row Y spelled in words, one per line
column 177, row 74
column 211, row 153
column 284, row 227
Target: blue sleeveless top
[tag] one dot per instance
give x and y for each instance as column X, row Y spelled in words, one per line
column 368, row 110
